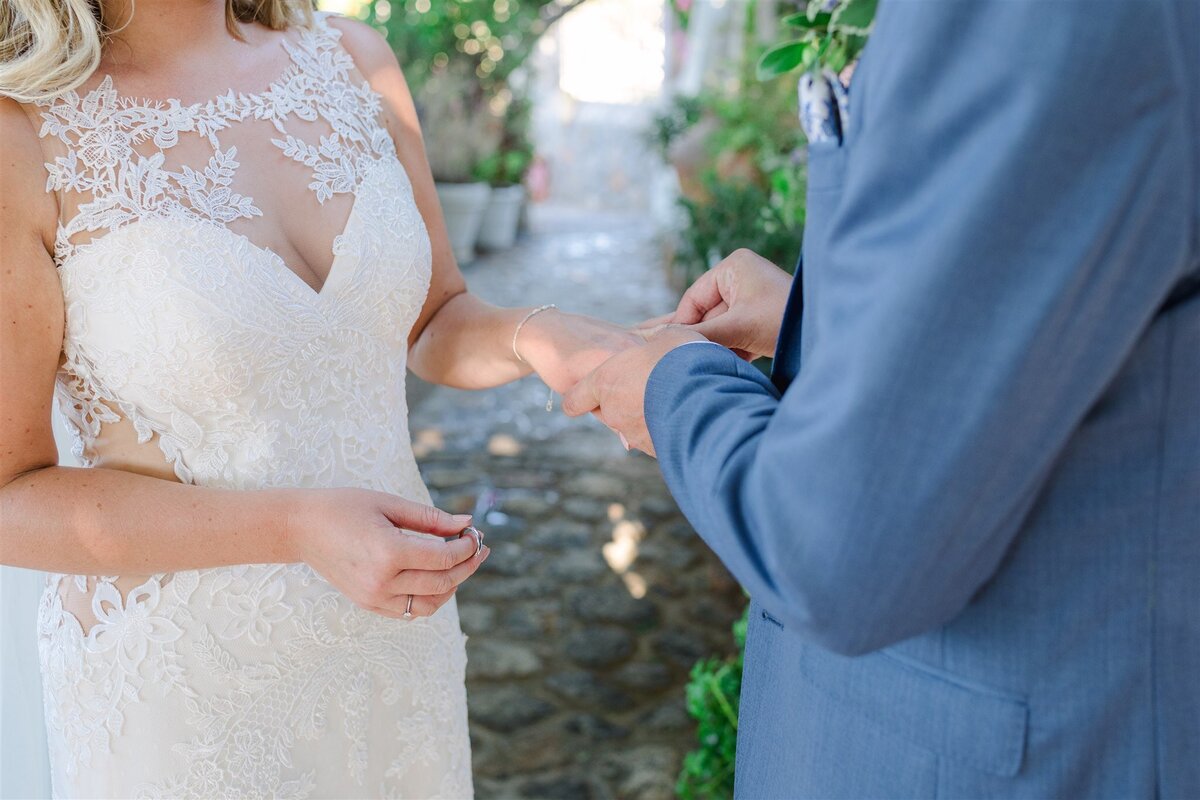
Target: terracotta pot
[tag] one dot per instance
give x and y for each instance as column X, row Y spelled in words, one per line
column 689, row 156
column 737, row 166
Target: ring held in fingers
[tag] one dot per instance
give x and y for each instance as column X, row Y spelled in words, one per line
column 477, row 535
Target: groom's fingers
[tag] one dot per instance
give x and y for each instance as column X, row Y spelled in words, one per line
column 716, row 311
column 583, row 398
column 723, row 329
column 701, row 297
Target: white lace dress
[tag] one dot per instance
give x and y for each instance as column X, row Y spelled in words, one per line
column 252, row 681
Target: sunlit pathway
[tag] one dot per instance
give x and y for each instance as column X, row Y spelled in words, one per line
column 598, row 597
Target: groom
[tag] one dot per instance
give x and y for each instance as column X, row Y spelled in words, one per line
column 967, row 503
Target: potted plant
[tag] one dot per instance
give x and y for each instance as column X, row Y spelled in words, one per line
column 459, row 58
column 504, row 170
column 459, row 134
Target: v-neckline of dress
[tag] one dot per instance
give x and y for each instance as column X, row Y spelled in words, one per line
column 232, row 106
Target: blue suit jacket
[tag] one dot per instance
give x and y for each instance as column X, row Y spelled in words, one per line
column 970, row 522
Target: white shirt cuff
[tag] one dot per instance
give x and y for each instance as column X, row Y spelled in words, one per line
column 695, row 341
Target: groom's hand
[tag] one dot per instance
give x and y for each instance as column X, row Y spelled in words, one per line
column 738, row 303
column 616, row 390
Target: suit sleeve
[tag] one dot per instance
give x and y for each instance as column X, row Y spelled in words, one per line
column 1017, row 202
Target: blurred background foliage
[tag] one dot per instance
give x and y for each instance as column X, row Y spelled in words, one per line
column 736, row 148
column 464, row 61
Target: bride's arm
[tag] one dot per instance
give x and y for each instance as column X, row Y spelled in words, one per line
column 460, row 340
column 112, row 522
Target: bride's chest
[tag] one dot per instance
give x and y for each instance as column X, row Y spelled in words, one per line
column 188, row 288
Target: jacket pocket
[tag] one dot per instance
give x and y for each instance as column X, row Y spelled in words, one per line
column 958, row 719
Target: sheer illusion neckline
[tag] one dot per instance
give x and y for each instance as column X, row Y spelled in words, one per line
column 290, row 72
column 101, row 128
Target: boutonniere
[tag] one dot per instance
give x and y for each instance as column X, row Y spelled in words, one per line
column 826, row 40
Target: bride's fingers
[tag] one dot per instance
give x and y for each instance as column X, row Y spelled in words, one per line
column 647, row 333
column 425, row 553
column 655, row 323
column 422, row 606
column 437, row 582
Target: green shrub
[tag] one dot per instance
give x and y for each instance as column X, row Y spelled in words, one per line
column 712, row 699
column 739, row 214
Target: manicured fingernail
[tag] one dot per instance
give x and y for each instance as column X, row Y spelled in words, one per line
column 462, row 519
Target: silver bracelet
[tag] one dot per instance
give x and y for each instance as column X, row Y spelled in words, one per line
column 521, row 325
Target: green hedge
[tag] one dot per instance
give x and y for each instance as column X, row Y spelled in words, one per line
column 712, row 699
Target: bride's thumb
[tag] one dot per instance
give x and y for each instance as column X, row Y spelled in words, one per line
column 425, row 519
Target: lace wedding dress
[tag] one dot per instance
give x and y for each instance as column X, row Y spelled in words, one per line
column 188, row 333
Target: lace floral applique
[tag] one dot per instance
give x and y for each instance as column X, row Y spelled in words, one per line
column 245, row 378
column 101, row 130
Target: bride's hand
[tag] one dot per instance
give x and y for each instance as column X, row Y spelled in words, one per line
column 352, row 538
column 564, row 348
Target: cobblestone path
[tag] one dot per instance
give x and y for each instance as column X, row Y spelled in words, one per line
column 598, row 597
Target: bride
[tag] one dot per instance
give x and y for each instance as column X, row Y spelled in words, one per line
column 221, row 249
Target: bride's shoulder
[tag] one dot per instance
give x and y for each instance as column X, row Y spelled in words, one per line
column 374, row 58
column 365, row 44
column 16, row 119
column 24, row 201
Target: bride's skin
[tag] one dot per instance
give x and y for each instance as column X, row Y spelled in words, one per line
column 106, row 521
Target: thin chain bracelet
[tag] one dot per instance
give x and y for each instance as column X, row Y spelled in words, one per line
column 517, row 353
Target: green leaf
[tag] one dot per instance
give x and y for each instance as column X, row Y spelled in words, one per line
column 815, row 8
column 781, row 59
column 835, row 57
column 854, row 45
column 854, row 16
column 804, row 21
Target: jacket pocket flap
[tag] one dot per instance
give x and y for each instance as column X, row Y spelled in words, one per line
column 978, row 726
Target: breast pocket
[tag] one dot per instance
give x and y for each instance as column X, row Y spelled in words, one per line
column 826, row 172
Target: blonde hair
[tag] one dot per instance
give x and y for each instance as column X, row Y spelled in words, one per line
column 48, row 47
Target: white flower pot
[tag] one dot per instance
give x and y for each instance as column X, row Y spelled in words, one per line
column 502, row 218
column 463, row 205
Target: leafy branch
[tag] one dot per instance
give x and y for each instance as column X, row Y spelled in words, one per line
column 828, row 34
column 712, row 699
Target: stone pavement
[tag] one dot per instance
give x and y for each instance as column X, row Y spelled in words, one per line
column 598, row 596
